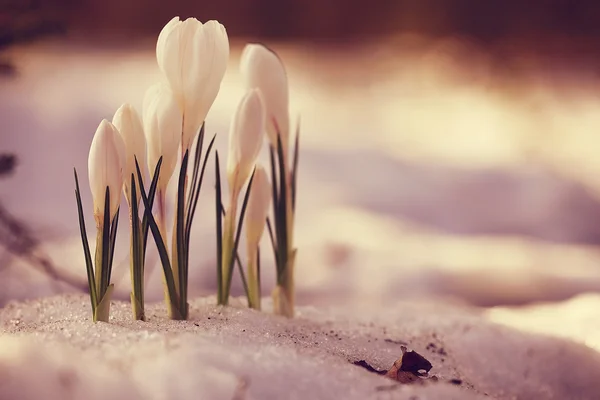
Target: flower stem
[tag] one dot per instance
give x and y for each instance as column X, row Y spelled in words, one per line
column 175, row 253
column 253, row 279
column 98, row 260
column 171, row 308
column 284, row 293
column 136, row 267
column 228, row 244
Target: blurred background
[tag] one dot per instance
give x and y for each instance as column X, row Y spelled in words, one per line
column 449, row 148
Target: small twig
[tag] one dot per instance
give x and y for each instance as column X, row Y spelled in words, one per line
column 20, row 242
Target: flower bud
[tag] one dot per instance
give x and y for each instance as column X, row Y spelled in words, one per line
column 258, row 208
column 245, row 139
column 105, row 169
column 129, row 125
column 162, row 125
column 193, row 57
column 261, row 68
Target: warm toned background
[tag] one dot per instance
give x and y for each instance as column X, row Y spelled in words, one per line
column 313, row 19
column 449, row 148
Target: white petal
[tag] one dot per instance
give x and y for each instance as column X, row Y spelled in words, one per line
column 245, row 138
column 193, row 57
column 170, row 61
column 209, row 63
column 261, row 68
column 129, row 125
column 162, row 126
column 105, row 162
column 162, row 39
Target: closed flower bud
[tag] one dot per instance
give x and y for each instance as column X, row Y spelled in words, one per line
column 105, row 169
column 162, row 126
column 245, row 139
column 258, row 208
column 193, row 57
column 129, row 125
column 261, row 68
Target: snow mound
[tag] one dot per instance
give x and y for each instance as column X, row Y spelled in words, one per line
column 237, row 353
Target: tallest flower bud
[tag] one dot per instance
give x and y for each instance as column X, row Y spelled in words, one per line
column 193, row 57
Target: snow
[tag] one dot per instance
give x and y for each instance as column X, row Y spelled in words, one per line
column 223, row 351
column 576, row 318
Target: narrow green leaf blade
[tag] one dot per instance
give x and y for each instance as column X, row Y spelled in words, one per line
column 273, row 244
column 196, row 167
column 192, row 211
column 219, row 228
column 243, row 276
column 138, row 273
column 160, row 244
column 258, row 274
column 105, row 244
column 281, row 210
column 86, row 247
column 238, row 261
column 179, row 228
column 274, row 183
column 151, row 195
column 113, row 237
column 295, row 167
column 239, row 231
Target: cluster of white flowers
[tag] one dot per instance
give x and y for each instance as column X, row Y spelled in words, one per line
column 193, row 58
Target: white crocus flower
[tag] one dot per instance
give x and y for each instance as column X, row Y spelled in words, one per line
column 193, row 57
column 129, row 124
column 245, row 139
column 261, row 68
column 105, row 168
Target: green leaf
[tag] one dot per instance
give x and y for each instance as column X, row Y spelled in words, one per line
column 179, row 229
column 239, row 264
column 151, row 195
column 277, row 218
column 192, row 210
column 295, row 167
column 86, row 247
column 137, row 308
column 160, row 244
column 242, row 275
column 273, row 243
column 239, row 232
column 138, row 271
column 219, row 228
column 197, row 158
column 113, row 237
column 258, row 273
column 274, row 183
column 104, row 279
column 281, row 210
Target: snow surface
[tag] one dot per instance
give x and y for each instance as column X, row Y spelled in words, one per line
column 576, row 319
column 222, row 353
